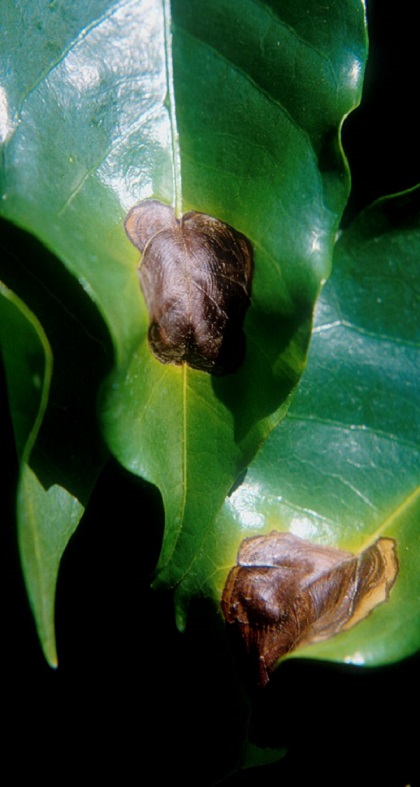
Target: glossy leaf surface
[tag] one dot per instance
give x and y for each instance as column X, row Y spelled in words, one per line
column 232, row 110
column 85, row 134
column 248, row 157
column 342, row 468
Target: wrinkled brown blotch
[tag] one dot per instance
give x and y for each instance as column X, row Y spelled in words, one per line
column 286, row 592
column 196, row 275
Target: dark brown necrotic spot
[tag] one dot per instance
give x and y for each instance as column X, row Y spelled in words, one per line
column 196, row 275
column 285, row 592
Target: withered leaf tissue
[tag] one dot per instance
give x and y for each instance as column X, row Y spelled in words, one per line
column 286, row 592
column 195, row 274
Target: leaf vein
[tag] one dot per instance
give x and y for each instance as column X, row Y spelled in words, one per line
column 108, row 14
column 109, row 150
column 353, row 428
column 382, row 337
column 251, row 81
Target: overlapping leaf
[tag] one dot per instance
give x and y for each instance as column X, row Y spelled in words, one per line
column 342, row 468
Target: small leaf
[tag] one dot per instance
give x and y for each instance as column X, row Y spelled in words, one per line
column 46, row 518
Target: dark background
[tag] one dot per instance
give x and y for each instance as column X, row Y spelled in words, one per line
column 135, row 700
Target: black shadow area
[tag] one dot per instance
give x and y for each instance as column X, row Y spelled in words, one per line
column 69, row 447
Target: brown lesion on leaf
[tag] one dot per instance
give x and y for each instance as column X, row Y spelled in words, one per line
column 195, row 273
column 286, row 592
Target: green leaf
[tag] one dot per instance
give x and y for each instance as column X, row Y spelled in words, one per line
column 342, row 468
column 230, row 109
column 250, row 156
column 46, row 518
column 256, row 756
